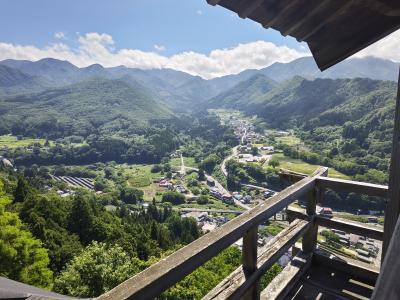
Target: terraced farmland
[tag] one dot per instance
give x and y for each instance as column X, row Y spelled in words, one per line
column 76, row 181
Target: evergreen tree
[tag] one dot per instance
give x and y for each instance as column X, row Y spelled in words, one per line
column 22, row 257
column 22, row 190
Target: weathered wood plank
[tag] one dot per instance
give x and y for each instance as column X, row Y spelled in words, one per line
column 236, row 284
column 160, row 276
column 249, row 7
column 282, row 284
column 249, row 262
column 355, row 268
column 213, row 2
column 341, row 185
column 310, row 238
column 387, row 286
column 368, row 230
column 393, row 206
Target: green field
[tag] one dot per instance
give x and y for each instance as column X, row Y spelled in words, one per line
column 10, row 141
column 288, row 140
column 138, row 175
column 189, row 162
column 297, row 165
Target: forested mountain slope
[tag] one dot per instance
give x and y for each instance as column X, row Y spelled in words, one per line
column 181, row 91
column 350, row 120
column 244, row 93
column 14, row 81
column 80, row 108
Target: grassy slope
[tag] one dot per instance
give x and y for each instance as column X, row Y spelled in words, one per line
column 298, row 165
column 10, row 141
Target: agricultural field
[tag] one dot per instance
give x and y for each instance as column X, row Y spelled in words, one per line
column 188, row 161
column 10, row 141
column 137, row 175
column 76, row 181
column 297, row 165
column 290, row 140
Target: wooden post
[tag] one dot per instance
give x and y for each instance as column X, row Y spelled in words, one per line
column 249, row 261
column 309, row 241
column 393, row 206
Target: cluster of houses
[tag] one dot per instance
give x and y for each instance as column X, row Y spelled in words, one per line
column 240, row 127
column 166, row 183
column 246, row 154
column 226, row 198
column 206, row 222
column 366, row 248
column 244, row 199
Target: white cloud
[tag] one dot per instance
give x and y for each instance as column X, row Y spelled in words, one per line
column 387, row 48
column 199, row 12
column 100, row 48
column 59, row 35
column 159, row 48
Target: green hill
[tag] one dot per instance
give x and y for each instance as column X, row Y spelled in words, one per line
column 14, row 81
column 244, row 93
column 95, row 104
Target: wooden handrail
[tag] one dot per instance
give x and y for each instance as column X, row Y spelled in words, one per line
column 341, row 185
column 234, row 286
column 368, row 230
column 154, row 280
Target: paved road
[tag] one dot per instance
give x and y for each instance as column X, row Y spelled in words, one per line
column 223, row 165
column 221, row 188
column 183, row 170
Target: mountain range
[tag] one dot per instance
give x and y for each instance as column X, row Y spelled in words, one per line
column 50, row 92
column 178, row 90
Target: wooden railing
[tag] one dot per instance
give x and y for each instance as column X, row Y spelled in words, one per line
column 244, row 282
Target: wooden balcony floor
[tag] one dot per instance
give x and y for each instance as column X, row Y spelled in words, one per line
column 324, row 282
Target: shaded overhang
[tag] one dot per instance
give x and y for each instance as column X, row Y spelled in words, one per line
column 333, row 29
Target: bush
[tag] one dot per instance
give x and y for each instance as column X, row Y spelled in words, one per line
column 156, row 169
column 202, row 200
column 173, row 197
column 131, row 196
column 195, row 190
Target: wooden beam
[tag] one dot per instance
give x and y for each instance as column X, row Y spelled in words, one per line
column 249, row 262
column 387, row 286
column 393, row 207
column 151, row 282
column 213, row 2
column 287, row 8
column 333, row 14
column 236, row 284
column 249, row 7
column 306, row 18
column 341, row 185
column 355, row 268
column 368, row 230
column 310, row 238
column 371, row 231
column 282, row 284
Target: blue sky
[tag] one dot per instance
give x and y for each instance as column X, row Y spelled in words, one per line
column 179, row 25
column 182, row 34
